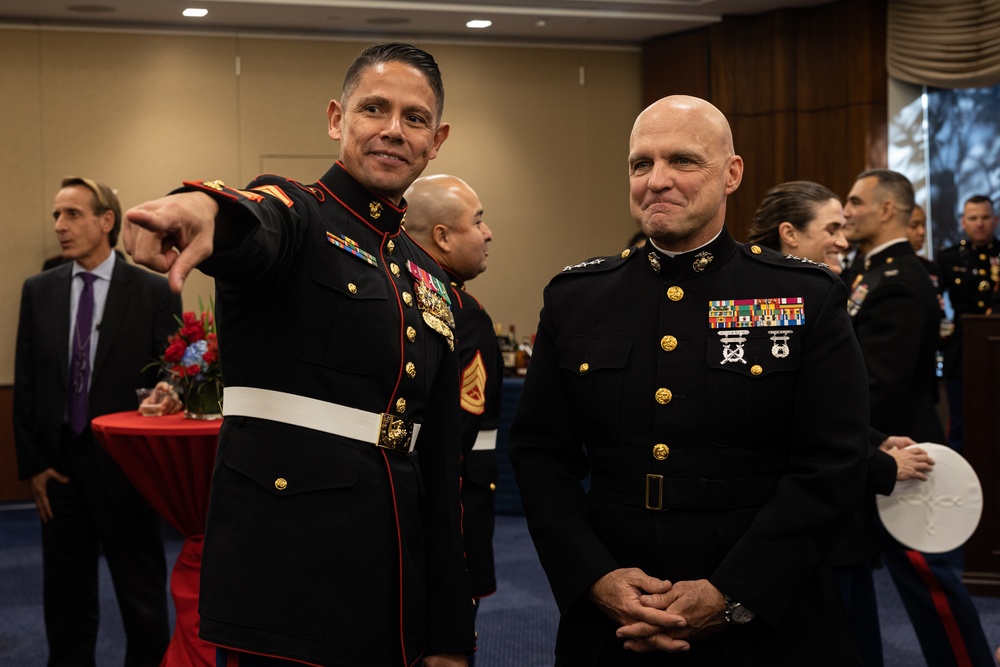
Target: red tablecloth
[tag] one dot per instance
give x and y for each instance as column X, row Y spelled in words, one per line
column 170, row 460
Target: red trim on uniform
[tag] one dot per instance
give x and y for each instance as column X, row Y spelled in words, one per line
column 955, row 638
column 399, row 553
column 226, row 192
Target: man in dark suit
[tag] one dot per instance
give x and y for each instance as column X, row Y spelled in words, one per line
column 334, row 523
column 65, row 374
column 716, row 395
column 896, row 315
column 445, row 217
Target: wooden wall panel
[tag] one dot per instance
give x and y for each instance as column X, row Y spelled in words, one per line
column 676, row 66
column 805, row 91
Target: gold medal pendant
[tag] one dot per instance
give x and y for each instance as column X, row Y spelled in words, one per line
column 440, row 327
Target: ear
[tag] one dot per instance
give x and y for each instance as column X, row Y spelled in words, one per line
column 439, row 234
column 734, row 174
column 335, row 116
column 787, row 234
column 107, row 221
column 440, row 135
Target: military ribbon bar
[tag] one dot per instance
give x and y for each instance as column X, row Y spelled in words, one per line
column 352, row 247
column 429, row 281
column 746, row 313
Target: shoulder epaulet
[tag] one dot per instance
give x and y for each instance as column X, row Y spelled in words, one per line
column 775, row 258
column 599, row 264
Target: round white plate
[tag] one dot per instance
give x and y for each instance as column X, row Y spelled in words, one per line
column 939, row 514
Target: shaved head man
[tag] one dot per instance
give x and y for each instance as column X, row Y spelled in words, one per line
column 445, row 217
column 692, row 380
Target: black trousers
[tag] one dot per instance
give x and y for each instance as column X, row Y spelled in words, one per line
column 90, row 519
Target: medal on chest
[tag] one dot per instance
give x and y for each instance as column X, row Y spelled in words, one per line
column 434, row 303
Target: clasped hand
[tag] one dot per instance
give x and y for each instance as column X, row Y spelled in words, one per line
column 656, row 614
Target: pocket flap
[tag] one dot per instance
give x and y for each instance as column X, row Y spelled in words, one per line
column 585, row 354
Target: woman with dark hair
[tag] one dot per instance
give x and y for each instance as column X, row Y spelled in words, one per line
column 801, row 218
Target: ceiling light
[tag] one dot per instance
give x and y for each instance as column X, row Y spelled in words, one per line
column 478, row 23
column 195, row 12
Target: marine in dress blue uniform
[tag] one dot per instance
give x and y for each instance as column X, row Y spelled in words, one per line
column 334, row 523
column 896, row 315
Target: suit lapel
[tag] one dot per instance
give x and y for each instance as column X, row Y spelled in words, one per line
column 119, row 295
column 57, row 303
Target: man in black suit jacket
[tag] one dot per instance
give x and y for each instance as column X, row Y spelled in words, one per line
column 896, row 315
column 86, row 504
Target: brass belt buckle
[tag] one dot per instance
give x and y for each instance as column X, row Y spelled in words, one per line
column 395, row 433
column 654, row 483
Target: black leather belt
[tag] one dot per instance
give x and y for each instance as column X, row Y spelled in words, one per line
column 657, row 493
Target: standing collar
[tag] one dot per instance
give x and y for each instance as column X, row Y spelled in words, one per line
column 886, row 252
column 692, row 263
column 378, row 212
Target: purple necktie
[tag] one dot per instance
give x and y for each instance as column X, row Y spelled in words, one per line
column 79, row 368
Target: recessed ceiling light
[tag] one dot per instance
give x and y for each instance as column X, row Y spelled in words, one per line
column 478, row 23
column 194, row 12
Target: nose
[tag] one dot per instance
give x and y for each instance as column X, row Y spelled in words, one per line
column 661, row 177
column 487, row 232
column 839, row 240
column 59, row 224
column 393, row 127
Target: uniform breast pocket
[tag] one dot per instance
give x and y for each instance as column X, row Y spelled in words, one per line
column 752, row 375
column 345, row 325
column 593, row 369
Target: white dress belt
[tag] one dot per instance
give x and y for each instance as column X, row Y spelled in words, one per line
column 383, row 430
column 486, row 440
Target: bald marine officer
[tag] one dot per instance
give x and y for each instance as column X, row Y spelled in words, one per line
column 717, row 397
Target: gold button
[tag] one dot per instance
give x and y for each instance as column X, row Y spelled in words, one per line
column 675, row 293
column 493, row 487
column 395, row 269
column 390, row 246
column 352, row 288
column 981, row 304
column 584, row 367
column 756, row 370
column 982, row 258
column 280, row 484
column 411, row 334
column 663, row 396
column 668, row 343
column 411, row 369
column 755, row 249
column 888, row 260
column 215, row 185
column 626, row 252
column 958, row 281
column 984, row 285
column 660, row 451
column 982, row 272
column 407, row 298
column 401, row 405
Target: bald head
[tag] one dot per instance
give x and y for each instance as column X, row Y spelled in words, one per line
column 444, row 215
column 682, row 166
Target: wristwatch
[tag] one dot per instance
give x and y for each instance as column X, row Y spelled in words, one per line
column 736, row 612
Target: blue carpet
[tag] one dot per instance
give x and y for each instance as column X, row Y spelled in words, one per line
column 516, row 625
